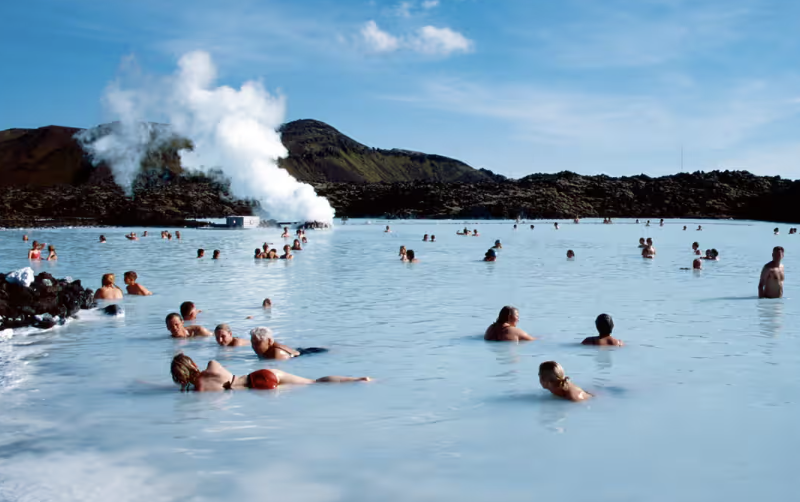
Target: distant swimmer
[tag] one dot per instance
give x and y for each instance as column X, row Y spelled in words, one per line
column 661, row 223
column 388, row 230
column 178, row 330
column 570, row 254
column 267, row 303
column 696, row 248
column 35, row 252
column 771, row 283
column 258, row 254
column 776, row 231
column 515, row 227
column 102, row 239
column 637, row 221
column 552, row 378
column 531, row 227
column 697, row 264
column 273, row 254
column 475, row 233
column 497, row 245
column 224, row 337
column 145, row 234
column 108, row 290
column 699, row 228
column 169, row 236
column 216, row 378
column 51, row 253
column 647, row 252
column 201, row 253
column 133, row 287
column 287, row 253
column 555, row 225
column 490, row 255
column 605, row 325
column 425, row 238
column 189, row 311
column 25, row 238
column 641, row 243
column 215, row 255
column 296, row 245
column 576, row 220
column 402, row 253
column 647, row 224
column 684, row 227
column 505, row 329
column 285, row 233
column 410, row 257
column 433, row 238
column 132, row 237
column 304, row 239
column 650, row 245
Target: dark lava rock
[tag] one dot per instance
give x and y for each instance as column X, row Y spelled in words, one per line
column 47, row 302
column 114, row 310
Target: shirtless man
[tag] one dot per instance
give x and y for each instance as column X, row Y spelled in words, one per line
column 505, row 327
column 189, row 311
column 641, row 243
column 267, row 348
column 285, row 233
column 133, row 287
column 771, row 283
column 216, row 378
column 178, row 330
column 604, row 325
column 108, row 290
column 226, row 339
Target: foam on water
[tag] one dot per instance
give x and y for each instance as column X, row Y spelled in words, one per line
column 701, row 404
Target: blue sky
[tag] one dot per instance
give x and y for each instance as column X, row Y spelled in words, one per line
column 515, row 86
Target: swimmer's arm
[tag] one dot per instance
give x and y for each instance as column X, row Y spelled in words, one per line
column 524, row 337
column 286, row 349
column 195, row 330
column 144, row 291
column 288, row 378
column 762, row 282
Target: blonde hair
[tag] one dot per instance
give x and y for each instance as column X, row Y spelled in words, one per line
column 551, row 371
column 108, row 279
column 184, row 371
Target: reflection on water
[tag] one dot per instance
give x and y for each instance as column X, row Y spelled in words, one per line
column 445, row 409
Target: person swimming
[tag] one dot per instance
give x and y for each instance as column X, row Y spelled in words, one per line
column 497, row 245
column 132, row 237
column 776, row 231
column 410, row 257
column 531, row 227
column 177, row 329
column 201, row 253
column 697, row 264
column 258, row 254
column 402, row 253
column 553, row 379
column 696, row 248
column 287, row 253
column 285, row 233
column 215, row 255
column 24, row 237
column 296, row 245
column 475, row 233
column 684, row 227
column 51, row 253
column 770, row 284
column 266, row 347
column 661, row 223
column 133, row 287
column 267, row 303
column 505, row 329
column 699, row 228
column 490, row 255
column 216, row 378
column 555, row 225
column 651, row 246
column 388, row 230
column 225, row 338
column 570, row 254
column 641, row 243
column 425, row 238
column 102, row 239
column 108, row 290
column 433, row 238
column 605, row 325
column 189, row 311
column 647, row 252
column 35, row 252
column 273, row 254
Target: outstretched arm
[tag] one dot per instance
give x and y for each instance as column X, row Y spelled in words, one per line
column 195, row 330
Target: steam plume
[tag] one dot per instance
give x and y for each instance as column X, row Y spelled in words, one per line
column 232, row 129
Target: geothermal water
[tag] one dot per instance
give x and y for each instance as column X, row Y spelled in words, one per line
column 702, row 403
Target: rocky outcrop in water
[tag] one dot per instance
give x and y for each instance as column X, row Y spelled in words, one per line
column 47, row 301
column 728, row 194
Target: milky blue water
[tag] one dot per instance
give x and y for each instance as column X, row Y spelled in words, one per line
column 701, row 404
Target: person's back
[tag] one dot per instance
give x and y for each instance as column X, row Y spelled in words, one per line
column 108, row 290
column 505, row 329
column 133, row 287
column 605, row 325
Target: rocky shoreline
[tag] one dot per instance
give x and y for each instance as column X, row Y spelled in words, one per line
column 181, row 202
column 41, row 301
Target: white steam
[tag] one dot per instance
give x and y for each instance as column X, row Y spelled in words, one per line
column 234, row 130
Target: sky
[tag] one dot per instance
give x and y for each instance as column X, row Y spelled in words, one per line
column 618, row 87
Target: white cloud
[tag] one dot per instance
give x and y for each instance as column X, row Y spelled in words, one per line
column 403, row 10
column 378, row 40
column 430, row 4
column 427, row 40
column 444, row 41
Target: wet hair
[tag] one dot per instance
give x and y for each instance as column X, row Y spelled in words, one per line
column 131, row 274
column 223, row 327
column 497, row 242
column 695, row 244
column 266, row 303
column 410, row 254
column 184, row 371
column 776, row 229
column 108, row 279
column 778, row 248
column 260, row 333
column 650, row 240
column 714, row 252
column 570, row 252
column 186, row 308
column 506, row 313
column 433, row 236
column 201, row 252
column 403, row 249
column 697, row 263
column 51, row 248
column 551, row 371
column 171, row 315
column 604, row 324
column 257, row 252
column 216, row 254
column 641, row 239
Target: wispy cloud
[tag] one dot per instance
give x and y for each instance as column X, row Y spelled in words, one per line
column 378, row 40
column 428, row 40
column 607, row 122
column 403, row 9
column 430, row 4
